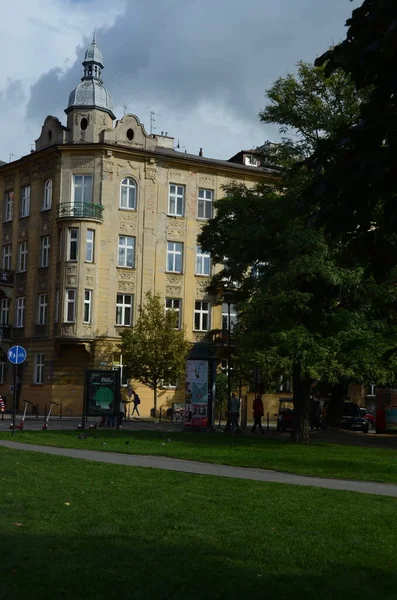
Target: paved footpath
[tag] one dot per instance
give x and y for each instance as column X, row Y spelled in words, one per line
column 187, row 466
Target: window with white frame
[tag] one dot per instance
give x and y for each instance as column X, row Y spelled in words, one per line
column 285, row 385
column 225, row 316
column 176, row 200
column 89, row 245
column 174, row 257
column 82, row 189
column 174, row 304
column 2, row 369
column 5, row 311
column 70, row 306
column 73, row 246
column 8, row 205
column 204, row 204
column 45, row 251
column 87, row 306
column 47, row 197
column 7, row 257
column 38, row 368
column 203, row 262
column 128, row 194
column 372, row 390
column 25, row 201
column 42, row 309
column 126, row 251
column 23, row 256
column 124, row 310
column 201, row 315
column 118, row 364
column 57, row 302
column 172, row 385
column 20, row 312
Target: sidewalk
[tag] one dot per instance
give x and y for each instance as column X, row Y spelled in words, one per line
column 185, row 466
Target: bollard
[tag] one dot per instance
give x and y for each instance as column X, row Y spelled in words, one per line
column 161, row 411
column 37, row 411
column 60, row 410
column 267, row 420
column 45, row 411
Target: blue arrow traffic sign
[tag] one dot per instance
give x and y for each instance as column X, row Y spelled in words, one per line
column 16, row 355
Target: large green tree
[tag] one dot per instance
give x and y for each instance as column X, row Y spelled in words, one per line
column 301, row 302
column 154, row 350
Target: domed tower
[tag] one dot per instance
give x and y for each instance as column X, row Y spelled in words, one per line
column 90, row 108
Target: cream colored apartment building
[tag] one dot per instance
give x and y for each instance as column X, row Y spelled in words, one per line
column 98, row 214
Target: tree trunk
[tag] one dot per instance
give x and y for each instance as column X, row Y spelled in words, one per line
column 155, row 401
column 301, row 388
column 335, row 405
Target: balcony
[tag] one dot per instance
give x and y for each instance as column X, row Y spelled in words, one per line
column 6, row 276
column 80, row 210
column 5, row 332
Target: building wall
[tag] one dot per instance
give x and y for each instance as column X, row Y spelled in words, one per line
column 70, row 347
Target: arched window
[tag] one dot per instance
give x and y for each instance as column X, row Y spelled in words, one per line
column 128, row 194
column 47, row 199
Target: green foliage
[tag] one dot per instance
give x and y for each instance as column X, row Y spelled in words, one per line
column 154, row 351
column 220, row 392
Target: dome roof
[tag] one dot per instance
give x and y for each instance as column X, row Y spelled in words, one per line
column 91, row 93
column 93, row 53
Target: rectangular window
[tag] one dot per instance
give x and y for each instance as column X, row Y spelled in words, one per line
column 20, row 312
column 47, row 197
column 38, row 368
column 174, row 257
column 7, row 257
column 57, row 300
column 5, row 311
column 45, row 251
column 8, row 205
column 201, row 316
column 73, row 244
column 126, row 252
column 118, row 364
column 25, row 201
column 225, row 317
column 42, row 309
column 204, row 204
column 89, row 246
column 174, row 304
column 87, row 306
column 124, row 310
column 203, row 262
column 2, row 368
column 176, row 200
column 70, row 308
column 82, row 189
column 23, row 256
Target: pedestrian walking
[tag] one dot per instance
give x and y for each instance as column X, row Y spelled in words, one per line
column 234, row 412
column 136, row 400
column 257, row 408
column 121, row 412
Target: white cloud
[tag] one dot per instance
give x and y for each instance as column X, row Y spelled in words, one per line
column 203, row 65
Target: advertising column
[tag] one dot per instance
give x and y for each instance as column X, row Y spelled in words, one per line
column 196, row 397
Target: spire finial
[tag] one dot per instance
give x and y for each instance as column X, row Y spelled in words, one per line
column 94, row 37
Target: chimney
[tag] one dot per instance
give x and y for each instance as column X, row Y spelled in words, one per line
column 201, row 152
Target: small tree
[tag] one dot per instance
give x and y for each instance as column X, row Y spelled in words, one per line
column 154, row 350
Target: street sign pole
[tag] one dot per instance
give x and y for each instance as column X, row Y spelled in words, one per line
column 14, row 398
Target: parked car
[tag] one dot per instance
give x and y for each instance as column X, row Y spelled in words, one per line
column 369, row 417
column 285, row 414
column 352, row 418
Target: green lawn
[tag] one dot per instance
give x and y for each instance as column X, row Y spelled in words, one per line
column 76, row 530
column 320, row 459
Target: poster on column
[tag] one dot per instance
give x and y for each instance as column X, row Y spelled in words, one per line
column 196, row 398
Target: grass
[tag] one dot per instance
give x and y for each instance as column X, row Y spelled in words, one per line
column 316, row 459
column 82, row 530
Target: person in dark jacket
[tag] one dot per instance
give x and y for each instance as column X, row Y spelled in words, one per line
column 257, row 407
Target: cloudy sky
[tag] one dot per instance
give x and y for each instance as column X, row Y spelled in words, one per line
column 202, row 65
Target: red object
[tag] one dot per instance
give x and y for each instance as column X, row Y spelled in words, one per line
column 386, row 410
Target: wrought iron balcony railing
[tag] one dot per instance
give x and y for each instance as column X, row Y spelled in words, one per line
column 6, row 276
column 80, row 210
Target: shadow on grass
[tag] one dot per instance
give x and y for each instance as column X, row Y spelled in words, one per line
column 102, row 567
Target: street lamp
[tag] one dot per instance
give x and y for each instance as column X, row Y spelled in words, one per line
column 228, row 299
